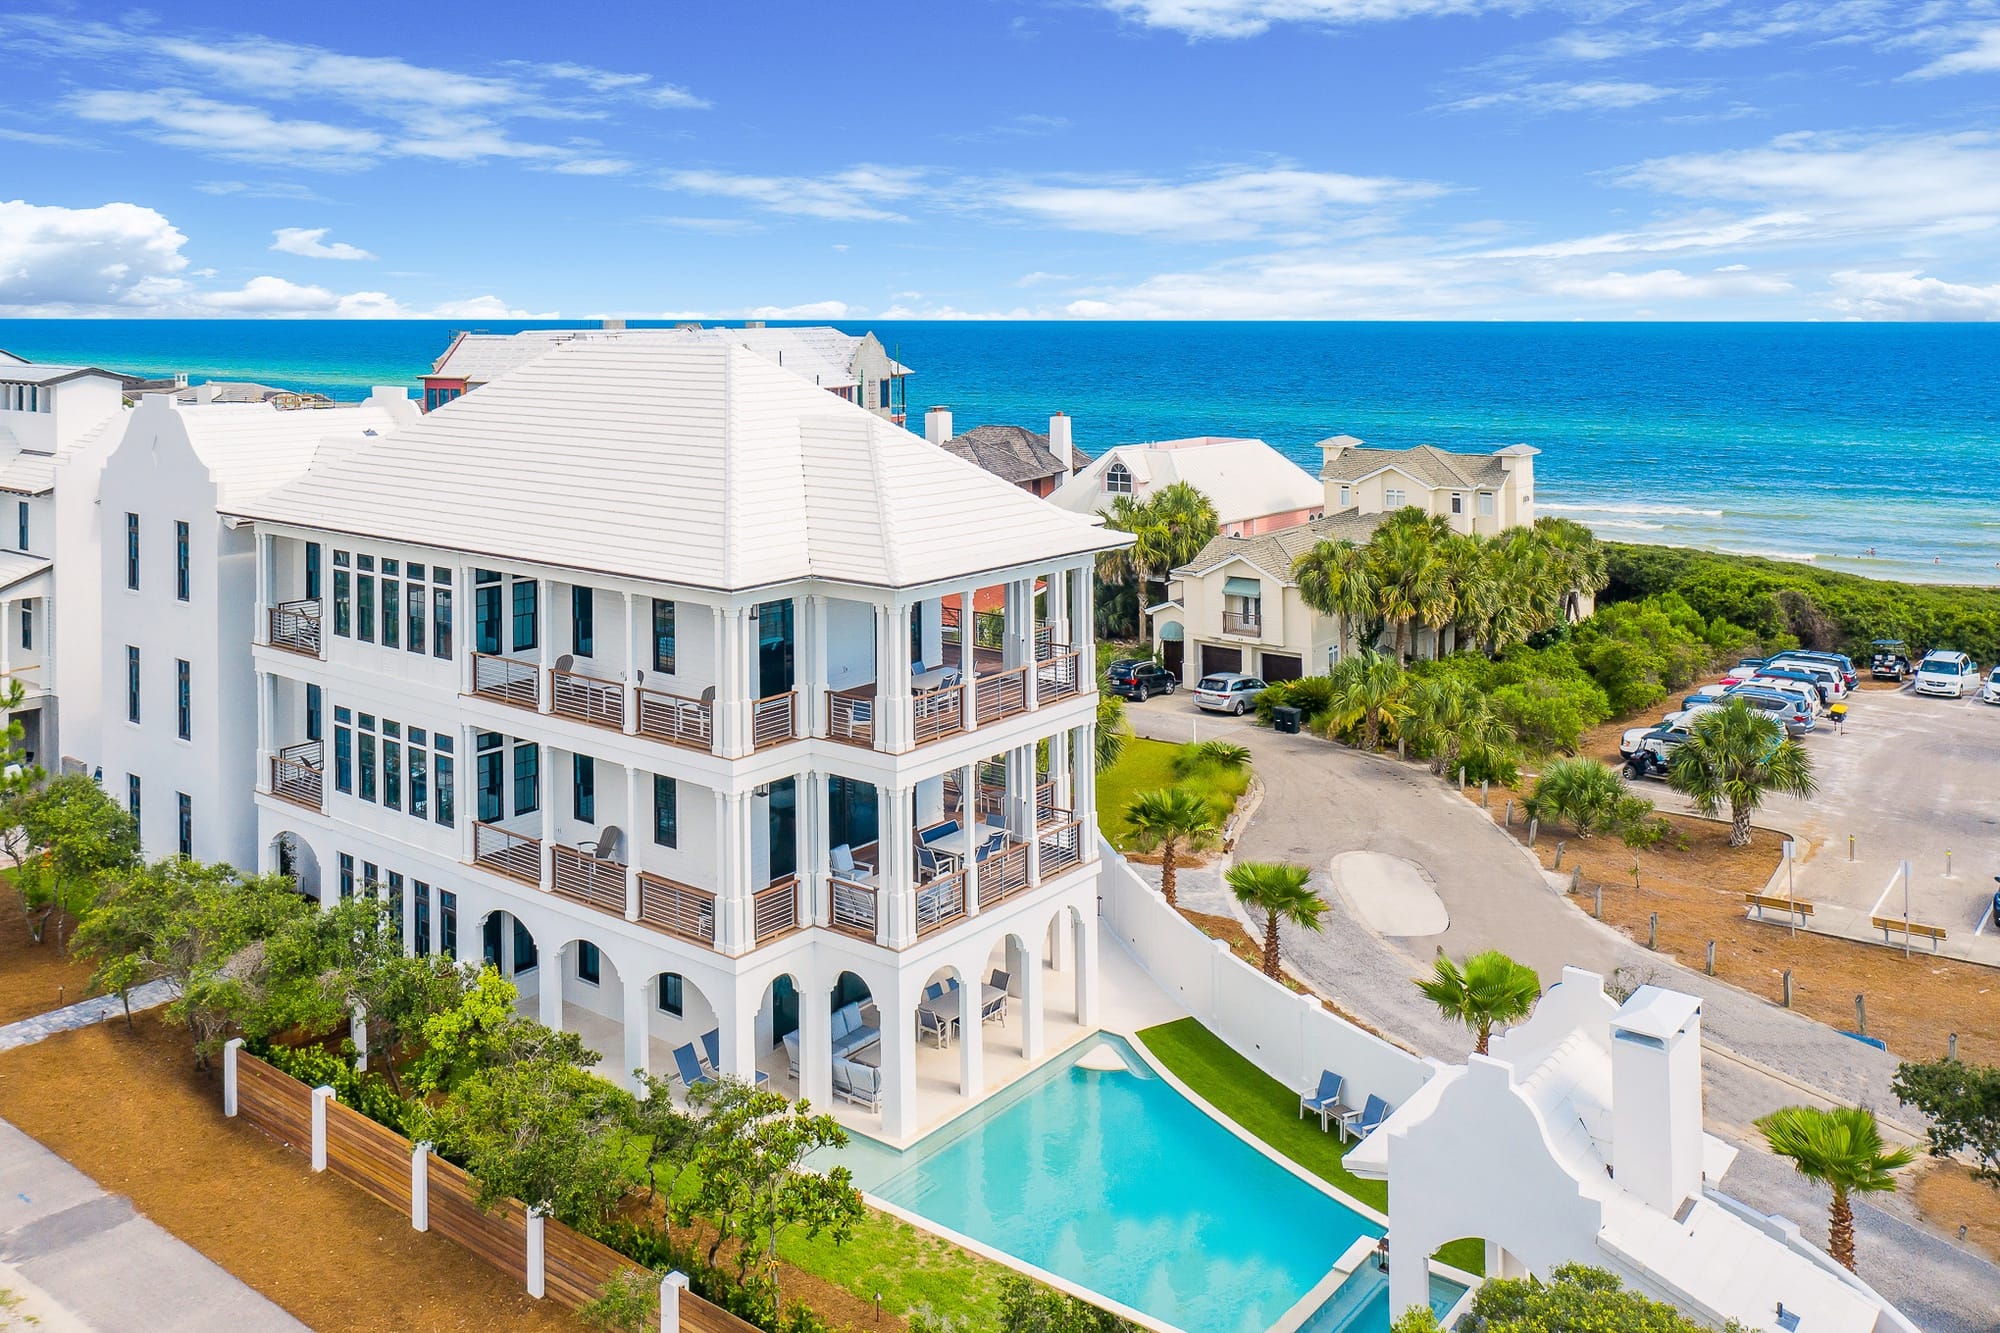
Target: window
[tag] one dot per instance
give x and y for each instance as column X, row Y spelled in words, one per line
column 671, row 999
column 1486, row 504
column 181, row 561
column 392, row 766
column 392, row 606
column 343, row 750
column 440, row 612
column 448, row 923
column 364, row 599
column 663, row 636
column 396, row 905
column 582, row 621
column 186, row 823
column 312, row 570
column 346, row 876
column 315, row 723
column 27, row 629
column 131, row 683
column 525, row 595
column 132, row 795
column 420, row 796
column 525, row 957
column 413, row 605
column 131, row 550
column 447, row 813
column 589, row 963
column 491, row 760
column 1393, row 498
column 1457, row 503
column 527, row 777
column 583, row 788
column 420, row 897
column 343, row 596
column 21, row 540
column 434, row 398
column 368, row 774
column 1344, row 492
column 1117, row 480
column 183, row 701
column 666, row 811
column 486, row 612
column 371, row 884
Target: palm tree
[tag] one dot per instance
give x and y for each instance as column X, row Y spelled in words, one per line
column 1371, row 691
column 1112, row 730
column 1734, row 757
column 1409, row 571
column 1279, row 891
column 1169, row 529
column 1335, row 579
column 1580, row 560
column 1455, row 720
column 1586, row 792
column 1491, row 988
column 1841, row 1149
column 1170, row 821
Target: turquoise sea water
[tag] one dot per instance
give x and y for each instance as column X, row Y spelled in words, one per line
column 1796, row 440
column 1117, row 1182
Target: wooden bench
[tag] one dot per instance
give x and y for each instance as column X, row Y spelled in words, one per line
column 1791, row 907
column 1910, row 930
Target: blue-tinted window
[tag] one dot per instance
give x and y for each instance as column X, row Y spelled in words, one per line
column 447, row 793
column 315, row 720
column 181, row 561
column 582, row 621
column 343, row 758
column 183, row 701
column 526, row 592
column 583, row 788
column 312, row 569
column 447, row 923
column 527, row 777
column 132, row 795
column 186, row 823
column 420, row 897
column 131, row 683
column 666, row 811
column 364, row 598
column 663, row 636
column 589, row 962
column 346, row 875
column 131, row 550
column 440, row 612
column 22, row 540
column 672, row 998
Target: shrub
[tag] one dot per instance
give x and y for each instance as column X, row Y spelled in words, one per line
column 368, row 1093
column 1311, row 695
column 1550, row 714
column 1583, row 792
column 1192, row 759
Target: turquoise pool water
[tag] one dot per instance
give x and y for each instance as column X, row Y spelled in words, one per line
column 1361, row 1304
column 1118, row 1183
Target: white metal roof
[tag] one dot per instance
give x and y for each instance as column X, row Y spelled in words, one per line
column 252, row 448
column 680, row 461
column 1243, row 479
column 820, row 355
column 36, row 372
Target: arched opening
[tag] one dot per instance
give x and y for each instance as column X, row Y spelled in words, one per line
column 580, row 991
column 854, row 1043
column 293, row 857
column 683, row 1032
column 508, row 947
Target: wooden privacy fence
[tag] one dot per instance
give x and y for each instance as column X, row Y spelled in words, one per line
column 548, row 1258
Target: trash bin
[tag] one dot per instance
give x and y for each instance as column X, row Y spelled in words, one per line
column 1286, row 719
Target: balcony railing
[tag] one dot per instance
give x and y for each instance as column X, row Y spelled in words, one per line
column 775, row 911
column 678, row 720
column 1242, row 622
column 771, row 719
column 935, row 714
column 1003, row 874
column 850, row 717
column 588, row 879
column 296, row 775
column 507, row 679
column 1056, row 676
column 942, row 901
column 1062, row 846
column 296, row 626
column 514, row 855
column 677, row 909
column 1002, row 694
column 587, row 698
column 851, row 907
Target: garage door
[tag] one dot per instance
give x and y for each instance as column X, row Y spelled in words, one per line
column 1282, row 666
column 1214, row 659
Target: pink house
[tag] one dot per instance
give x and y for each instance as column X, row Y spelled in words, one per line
column 1255, row 489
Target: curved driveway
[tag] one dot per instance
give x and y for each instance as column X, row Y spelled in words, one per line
column 1322, row 800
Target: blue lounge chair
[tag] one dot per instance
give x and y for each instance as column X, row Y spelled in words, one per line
column 688, row 1064
column 1325, row 1100
column 711, row 1045
column 1372, row 1115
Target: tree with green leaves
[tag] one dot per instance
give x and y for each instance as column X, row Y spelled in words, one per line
column 1369, row 691
column 1336, row 579
column 470, row 1035
column 1112, row 730
column 1453, row 720
column 1572, row 1299
column 77, row 838
column 1278, row 890
column 1584, row 792
column 669, row 1139
column 1735, row 756
column 1961, row 1102
column 1170, row 821
column 1168, row 528
column 628, row 1302
column 1028, row 1307
column 1843, row 1150
column 1490, row 988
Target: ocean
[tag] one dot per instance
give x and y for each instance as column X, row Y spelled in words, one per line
column 1869, row 448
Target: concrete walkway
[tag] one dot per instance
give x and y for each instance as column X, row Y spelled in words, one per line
column 1322, row 801
column 82, row 1014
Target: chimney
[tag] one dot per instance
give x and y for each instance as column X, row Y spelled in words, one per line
column 205, row 392
column 937, row 425
column 1656, row 1098
column 180, row 379
column 1059, row 443
column 1335, row 446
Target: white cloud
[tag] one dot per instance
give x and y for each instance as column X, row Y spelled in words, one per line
column 285, row 69
column 1602, row 95
column 311, row 243
column 1910, row 295
column 186, row 120
column 809, row 310
column 713, row 226
column 859, row 194
column 261, row 190
column 1669, row 284
column 278, row 297
column 1248, row 18
column 1235, row 204
column 114, row 255
column 1982, row 57
column 640, row 86
column 1703, row 231
column 1038, row 277
column 900, row 311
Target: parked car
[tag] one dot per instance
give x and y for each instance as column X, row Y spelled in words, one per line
column 1709, row 694
column 1802, row 690
column 1946, row 673
column 1745, row 669
column 1824, row 679
column 1840, row 660
column 1990, row 693
column 1227, row 692
column 1139, row 678
column 1655, row 750
column 1888, row 659
column 1791, row 710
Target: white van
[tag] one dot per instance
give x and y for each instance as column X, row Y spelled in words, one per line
column 1946, row 673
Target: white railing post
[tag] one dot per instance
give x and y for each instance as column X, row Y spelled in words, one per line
column 537, row 1262
column 420, row 1187
column 671, row 1287
column 230, row 1050
column 320, row 1097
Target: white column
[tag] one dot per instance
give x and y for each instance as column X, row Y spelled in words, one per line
column 636, row 661
column 465, row 797
column 638, row 831
column 968, row 655
column 420, row 1187
column 737, row 1041
column 545, row 637
column 815, row 1042
column 267, row 742
column 814, row 866
column 1029, row 654
column 553, row 967
column 1085, row 926
column 971, row 1041
column 545, row 763
column 231, row 1051
column 1031, row 999
column 537, row 1265
column 506, row 959
column 899, row 1057
column 260, row 623
column 897, row 894
column 898, row 684
column 638, row 1031
column 320, row 1097
column 671, row 1287
column 968, row 786
column 7, row 632
column 1083, row 783
column 818, row 615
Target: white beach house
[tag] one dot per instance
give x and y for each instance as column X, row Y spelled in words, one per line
column 641, row 671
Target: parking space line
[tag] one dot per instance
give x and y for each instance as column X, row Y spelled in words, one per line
column 1876, row 910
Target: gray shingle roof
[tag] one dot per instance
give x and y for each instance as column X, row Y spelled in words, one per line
column 1425, row 462
column 1011, row 453
column 1276, row 552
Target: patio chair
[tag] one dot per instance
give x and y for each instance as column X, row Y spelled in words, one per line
column 942, row 829
column 792, row 1052
column 605, row 848
column 1372, row 1115
column 917, row 667
column 934, row 991
column 994, row 843
column 711, row 1045
column 565, row 664
column 688, row 1065
column 934, row 1025
column 934, row 864
column 1325, row 1100
column 858, row 1083
column 994, row 1007
column 845, row 866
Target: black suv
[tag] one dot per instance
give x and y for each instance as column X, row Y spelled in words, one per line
column 1136, row 678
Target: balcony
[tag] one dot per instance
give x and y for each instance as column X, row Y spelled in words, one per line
column 508, row 680
column 592, row 880
column 677, row 719
column 1249, row 623
column 296, row 775
column 514, row 855
column 295, row 626
column 677, row 909
column 773, row 719
column 774, row 911
column 587, row 698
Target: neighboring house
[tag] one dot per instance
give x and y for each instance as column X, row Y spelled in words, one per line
column 1036, row 463
column 854, row 367
column 631, row 673
column 1254, row 488
column 1236, row 606
column 1580, row 1140
column 225, row 391
column 174, row 735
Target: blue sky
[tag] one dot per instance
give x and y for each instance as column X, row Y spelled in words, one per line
column 1483, row 159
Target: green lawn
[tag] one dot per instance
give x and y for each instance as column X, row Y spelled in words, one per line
column 1149, row 765
column 911, row 1269
column 1269, row 1110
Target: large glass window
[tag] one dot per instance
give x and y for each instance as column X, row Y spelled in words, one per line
column 132, row 795
column 672, row 994
column 346, row 876
column 364, row 598
column 666, row 811
column 312, row 569
column 183, row 701
column 368, row 772
column 181, row 561
column 413, row 603
column 420, row 897
column 1117, row 480
column 589, row 963
column 440, row 612
column 526, row 592
column 396, row 905
column 486, row 612
column 392, row 606
column 448, row 923
column 583, row 788
column 21, row 540
column 343, row 596
column 392, row 767
column 527, row 777
column 491, row 764
column 447, row 794
column 583, row 622
column 343, row 751
column 663, row 636
column 314, row 721
column 420, row 787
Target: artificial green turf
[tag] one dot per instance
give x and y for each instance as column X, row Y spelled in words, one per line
column 1268, row 1109
column 1147, row 765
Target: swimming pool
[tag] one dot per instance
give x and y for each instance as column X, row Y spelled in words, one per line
column 1116, row 1182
